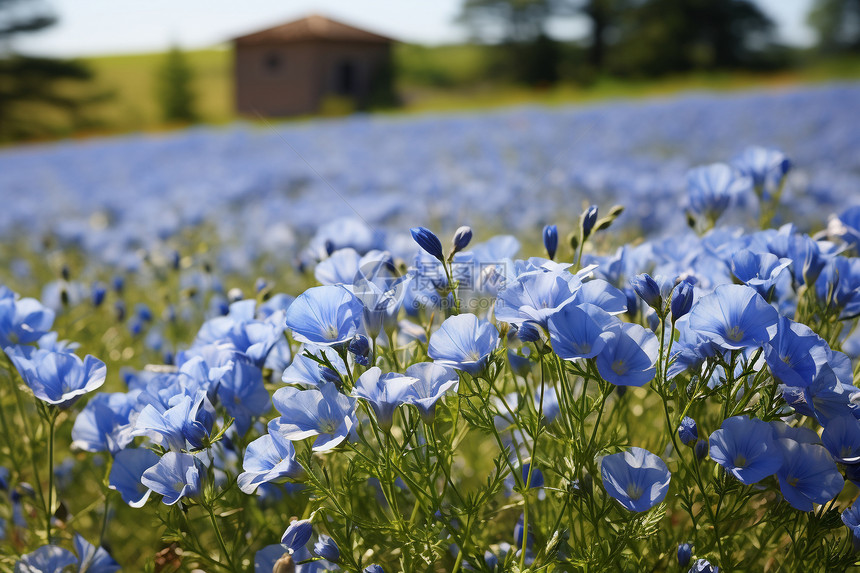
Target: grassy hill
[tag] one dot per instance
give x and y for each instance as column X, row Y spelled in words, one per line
column 133, row 80
column 429, row 79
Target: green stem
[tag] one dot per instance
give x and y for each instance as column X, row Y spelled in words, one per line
column 220, row 537
column 105, row 519
column 49, row 507
column 462, row 551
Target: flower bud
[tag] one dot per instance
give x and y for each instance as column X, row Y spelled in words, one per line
column 550, row 240
column 360, row 349
column 682, row 300
column 297, row 534
column 587, row 221
column 428, row 241
column 98, row 293
column 648, row 289
column 330, row 375
column 701, row 449
column 688, row 431
column 685, row 552
column 326, row 548
column 462, row 238
column 528, row 332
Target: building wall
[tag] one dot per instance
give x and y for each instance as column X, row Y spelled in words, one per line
column 294, row 78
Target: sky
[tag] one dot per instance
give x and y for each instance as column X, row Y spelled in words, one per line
column 92, row 27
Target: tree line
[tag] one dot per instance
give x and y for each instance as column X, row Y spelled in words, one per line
column 649, row 37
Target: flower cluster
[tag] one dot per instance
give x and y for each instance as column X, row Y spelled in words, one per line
column 576, row 411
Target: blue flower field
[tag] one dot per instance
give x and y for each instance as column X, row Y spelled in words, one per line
column 619, row 337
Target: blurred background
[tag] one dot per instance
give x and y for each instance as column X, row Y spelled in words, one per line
column 75, row 68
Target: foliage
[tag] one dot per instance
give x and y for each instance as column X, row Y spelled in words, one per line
column 837, row 23
column 34, row 97
column 175, row 91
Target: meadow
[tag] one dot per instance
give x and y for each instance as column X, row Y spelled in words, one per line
column 608, row 337
column 429, row 79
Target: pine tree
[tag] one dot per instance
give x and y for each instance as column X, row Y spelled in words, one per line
column 33, row 101
column 175, row 92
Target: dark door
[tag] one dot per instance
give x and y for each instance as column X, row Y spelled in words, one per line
column 345, row 78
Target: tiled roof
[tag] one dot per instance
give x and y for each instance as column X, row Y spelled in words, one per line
column 312, row 28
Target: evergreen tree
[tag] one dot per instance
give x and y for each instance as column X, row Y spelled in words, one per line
column 33, row 101
column 175, row 93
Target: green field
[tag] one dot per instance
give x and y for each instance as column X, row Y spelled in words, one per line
column 429, row 79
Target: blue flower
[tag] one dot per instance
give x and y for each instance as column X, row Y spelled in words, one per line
column 746, row 449
column 636, row 478
column 581, row 331
column 688, row 431
column 685, row 552
column 535, row 295
column 766, row 167
column 712, row 187
column 808, row 474
column 104, row 424
column 851, row 518
column 240, row 389
column 381, row 290
column 126, row 472
column 373, row 569
column 269, row 458
column 431, row 382
column 703, row 566
column 297, row 534
column 758, row 270
column 629, row 357
column 384, row 392
column 795, row 354
column 326, row 315
column 93, row 559
column 734, row 317
column 847, row 226
column 322, row 412
column 326, row 548
column 537, row 479
column 189, row 420
column 46, row 559
column 339, row 268
column 58, row 378
column 838, row 286
column 841, row 437
column 22, row 321
column 463, row 342
column 550, row 240
column 240, row 328
column 176, row 475
column 428, row 241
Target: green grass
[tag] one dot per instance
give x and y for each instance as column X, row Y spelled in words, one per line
column 133, row 80
column 439, row 78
